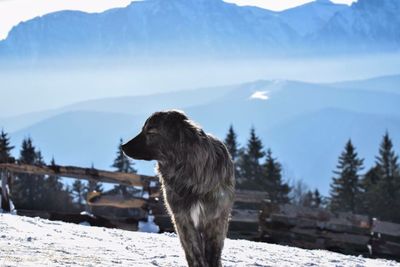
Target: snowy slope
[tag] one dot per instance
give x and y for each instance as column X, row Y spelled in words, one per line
column 36, row 242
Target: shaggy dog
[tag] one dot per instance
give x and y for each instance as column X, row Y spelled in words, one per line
column 197, row 177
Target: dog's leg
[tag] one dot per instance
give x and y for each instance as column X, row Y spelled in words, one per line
column 214, row 237
column 192, row 242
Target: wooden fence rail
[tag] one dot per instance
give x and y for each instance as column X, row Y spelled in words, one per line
column 128, row 179
column 242, row 220
column 344, row 232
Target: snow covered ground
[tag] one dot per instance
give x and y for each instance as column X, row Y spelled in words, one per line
column 36, row 242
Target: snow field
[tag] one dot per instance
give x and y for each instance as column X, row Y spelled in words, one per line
column 35, row 242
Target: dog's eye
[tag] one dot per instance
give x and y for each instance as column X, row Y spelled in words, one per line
column 152, row 131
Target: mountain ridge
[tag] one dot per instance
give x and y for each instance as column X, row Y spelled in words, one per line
column 211, row 28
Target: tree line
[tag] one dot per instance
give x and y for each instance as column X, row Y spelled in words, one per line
column 47, row 192
column 375, row 192
column 257, row 169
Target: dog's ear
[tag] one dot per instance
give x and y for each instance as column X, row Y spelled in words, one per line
column 191, row 132
column 177, row 115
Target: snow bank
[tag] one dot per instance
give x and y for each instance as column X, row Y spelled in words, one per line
column 28, row 241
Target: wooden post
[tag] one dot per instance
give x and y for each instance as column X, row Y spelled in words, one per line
column 5, row 200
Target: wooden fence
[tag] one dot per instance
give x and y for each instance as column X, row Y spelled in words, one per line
column 253, row 216
column 244, row 222
column 344, row 232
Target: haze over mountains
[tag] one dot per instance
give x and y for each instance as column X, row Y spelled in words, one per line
column 209, row 28
column 306, row 125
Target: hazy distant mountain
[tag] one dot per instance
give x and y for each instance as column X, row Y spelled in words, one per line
column 130, row 105
column 306, row 125
column 202, row 28
column 367, row 24
column 311, row 17
column 152, row 27
column 389, row 84
column 311, row 143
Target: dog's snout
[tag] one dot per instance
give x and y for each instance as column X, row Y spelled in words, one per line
column 127, row 148
column 124, row 147
column 137, row 148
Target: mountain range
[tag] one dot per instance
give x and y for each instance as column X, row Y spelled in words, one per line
column 305, row 124
column 208, row 28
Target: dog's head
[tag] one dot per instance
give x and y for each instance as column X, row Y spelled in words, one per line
column 160, row 135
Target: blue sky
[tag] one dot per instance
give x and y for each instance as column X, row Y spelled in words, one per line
column 14, row 11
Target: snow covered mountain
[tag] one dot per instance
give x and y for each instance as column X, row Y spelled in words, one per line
column 311, row 17
column 367, row 24
column 207, row 28
column 152, row 27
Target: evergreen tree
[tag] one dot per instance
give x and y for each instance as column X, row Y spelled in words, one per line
column 79, row 191
column 231, row 143
column 387, row 161
column 345, row 189
column 28, row 191
column 55, row 197
column 39, row 159
column 232, row 146
column 370, row 193
column 122, row 164
column 272, row 183
column 27, row 153
column 5, row 148
column 387, row 191
column 250, row 169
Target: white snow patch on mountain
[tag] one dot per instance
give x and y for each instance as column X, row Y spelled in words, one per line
column 37, row 242
column 262, row 95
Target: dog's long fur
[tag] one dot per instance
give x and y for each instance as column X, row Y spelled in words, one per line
column 197, row 177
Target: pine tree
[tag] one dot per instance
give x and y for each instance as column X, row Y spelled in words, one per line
column 271, row 182
column 370, row 194
column 250, row 169
column 79, row 191
column 39, row 159
column 231, row 143
column 345, row 189
column 55, row 197
column 122, row 164
column 28, row 153
column 388, row 184
column 234, row 151
column 5, row 148
column 387, row 161
column 27, row 190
